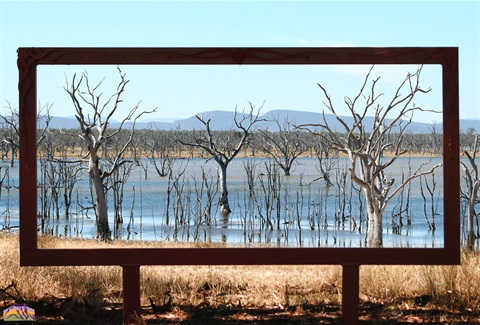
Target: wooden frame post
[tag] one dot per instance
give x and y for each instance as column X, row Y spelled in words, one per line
column 131, row 293
column 350, row 292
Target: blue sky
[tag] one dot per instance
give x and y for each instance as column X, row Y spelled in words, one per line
column 182, row 93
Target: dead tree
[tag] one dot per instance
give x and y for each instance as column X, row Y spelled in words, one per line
column 366, row 146
column 325, row 164
column 160, row 152
column 250, row 167
column 284, row 145
column 224, row 148
column 116, row 183
column 94, row 118
column 10, row 125
column 436, row 138
column 472, row 178
column 430, row 202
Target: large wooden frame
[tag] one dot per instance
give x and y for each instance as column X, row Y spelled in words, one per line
column 31, row 255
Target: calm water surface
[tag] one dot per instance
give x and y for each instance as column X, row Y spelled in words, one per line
column 305, row 214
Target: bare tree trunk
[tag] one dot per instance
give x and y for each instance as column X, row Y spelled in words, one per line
column 223, row 201
column 375, row 227
column 103, row 230
column 470, row 219
column 13, row 150
column 472, row 178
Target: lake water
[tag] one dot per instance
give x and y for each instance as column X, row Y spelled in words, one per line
column 294, row 211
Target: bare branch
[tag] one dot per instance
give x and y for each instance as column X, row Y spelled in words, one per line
column 416, row 174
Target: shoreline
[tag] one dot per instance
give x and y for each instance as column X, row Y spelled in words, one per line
column 260, row 155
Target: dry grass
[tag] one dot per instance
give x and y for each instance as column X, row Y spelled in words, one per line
column 242, row 285
column 455, row 287
column 35, row 282
column 452, row 287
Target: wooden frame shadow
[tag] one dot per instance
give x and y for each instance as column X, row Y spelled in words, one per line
column 31, row 255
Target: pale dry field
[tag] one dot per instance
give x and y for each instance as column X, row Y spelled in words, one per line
column 403, row 287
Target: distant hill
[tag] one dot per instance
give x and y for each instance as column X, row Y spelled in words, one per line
column 223, row 120
column 471, row 123
column 61, row 123
column 71, row 123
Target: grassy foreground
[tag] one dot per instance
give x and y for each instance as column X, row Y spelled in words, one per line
column 238, row 294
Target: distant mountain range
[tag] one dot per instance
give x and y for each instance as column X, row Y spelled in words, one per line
column 223, row 120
